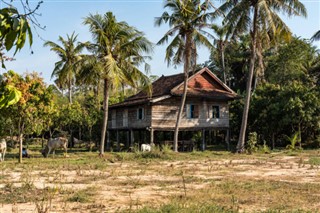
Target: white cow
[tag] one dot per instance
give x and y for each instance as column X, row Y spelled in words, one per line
column 3, row 149
column 145, row 147
column 53, row 144
column 77, row 141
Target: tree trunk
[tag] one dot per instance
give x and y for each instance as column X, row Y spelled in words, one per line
column 105, row 117
column 240, row 145
column 20, row 147
column 21, row 128
column 70, row 92
column 185, row 89
column 223, row 62
column 97, row 94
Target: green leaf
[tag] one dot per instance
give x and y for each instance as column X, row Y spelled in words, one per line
column 10, row 38
column 29, row 34
column 15, row 24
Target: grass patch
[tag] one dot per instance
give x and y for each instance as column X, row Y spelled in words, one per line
column 184, row 208
column 315, row 161
column 83, row 195
column 24, row 194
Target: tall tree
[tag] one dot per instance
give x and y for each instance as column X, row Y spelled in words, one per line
column 70, row 54
column 255, row 17
column 118, row 50
column 29, row 114
column 187, row 22
column 316, row 36
column 220, row 43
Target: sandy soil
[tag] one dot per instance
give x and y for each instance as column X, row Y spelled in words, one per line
column 131, row 185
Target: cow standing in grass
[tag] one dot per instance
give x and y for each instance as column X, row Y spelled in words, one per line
column 55, row 143
column 3, row 149
column 145, row 147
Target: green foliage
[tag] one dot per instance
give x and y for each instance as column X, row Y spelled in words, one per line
column 9, row 94
column 155, row 152
column 292, row 62
column 252, row 142
column 14, row 29
column 29, row 114
column 70, row 55
column 265, row 148
column 294, row 139
column 315, row 161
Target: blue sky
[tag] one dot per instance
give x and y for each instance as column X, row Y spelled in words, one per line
column 62, row 17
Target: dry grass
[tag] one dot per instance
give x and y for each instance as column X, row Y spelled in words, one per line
column 162, row 182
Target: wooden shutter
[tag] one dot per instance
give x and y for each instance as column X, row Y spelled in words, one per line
column 188, row 110
column 196, row 111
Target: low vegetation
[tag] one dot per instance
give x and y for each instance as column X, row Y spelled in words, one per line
column 162, row 181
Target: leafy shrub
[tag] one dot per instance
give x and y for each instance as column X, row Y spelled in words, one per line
column 252, row 142
column 264, row 148
column 294, row 139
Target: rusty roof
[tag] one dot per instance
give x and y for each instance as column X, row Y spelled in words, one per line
column 169, row 85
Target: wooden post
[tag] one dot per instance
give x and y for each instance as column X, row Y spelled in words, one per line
column 151, row 136
column 108, row 141
column 228, row 139
column 132, row 138
column 128, row 139
column 210, row 137
column 118, row 142
column 203, row 140
column 140, row 137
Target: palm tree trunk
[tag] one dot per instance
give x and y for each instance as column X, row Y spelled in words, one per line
column 185, row 89
column 97, row 94
column 70, row 92
column 223, row 62
column 105, row 116
column 240, row 145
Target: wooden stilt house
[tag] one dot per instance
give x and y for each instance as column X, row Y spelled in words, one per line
column 141, row 116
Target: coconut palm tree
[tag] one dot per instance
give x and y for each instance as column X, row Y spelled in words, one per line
column 255, row 17
column 221, row 42
column 69, row 53
column 119, row 50
column 187, row 22
column 316, row 36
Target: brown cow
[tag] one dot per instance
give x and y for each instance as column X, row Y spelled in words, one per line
column 3, row 149
column 55, row 143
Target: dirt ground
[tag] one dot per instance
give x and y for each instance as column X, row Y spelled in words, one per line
column 245, row 184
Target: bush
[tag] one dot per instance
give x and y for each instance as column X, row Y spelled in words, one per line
column 264, row 148
column 252, row 142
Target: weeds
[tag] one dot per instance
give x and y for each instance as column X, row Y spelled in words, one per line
column 83, row 195
column 315, row 161
column 252, row 142
column 294, row 139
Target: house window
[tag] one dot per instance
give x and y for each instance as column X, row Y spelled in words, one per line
column 215, row 112
column 140, row 114
column 192, row 111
